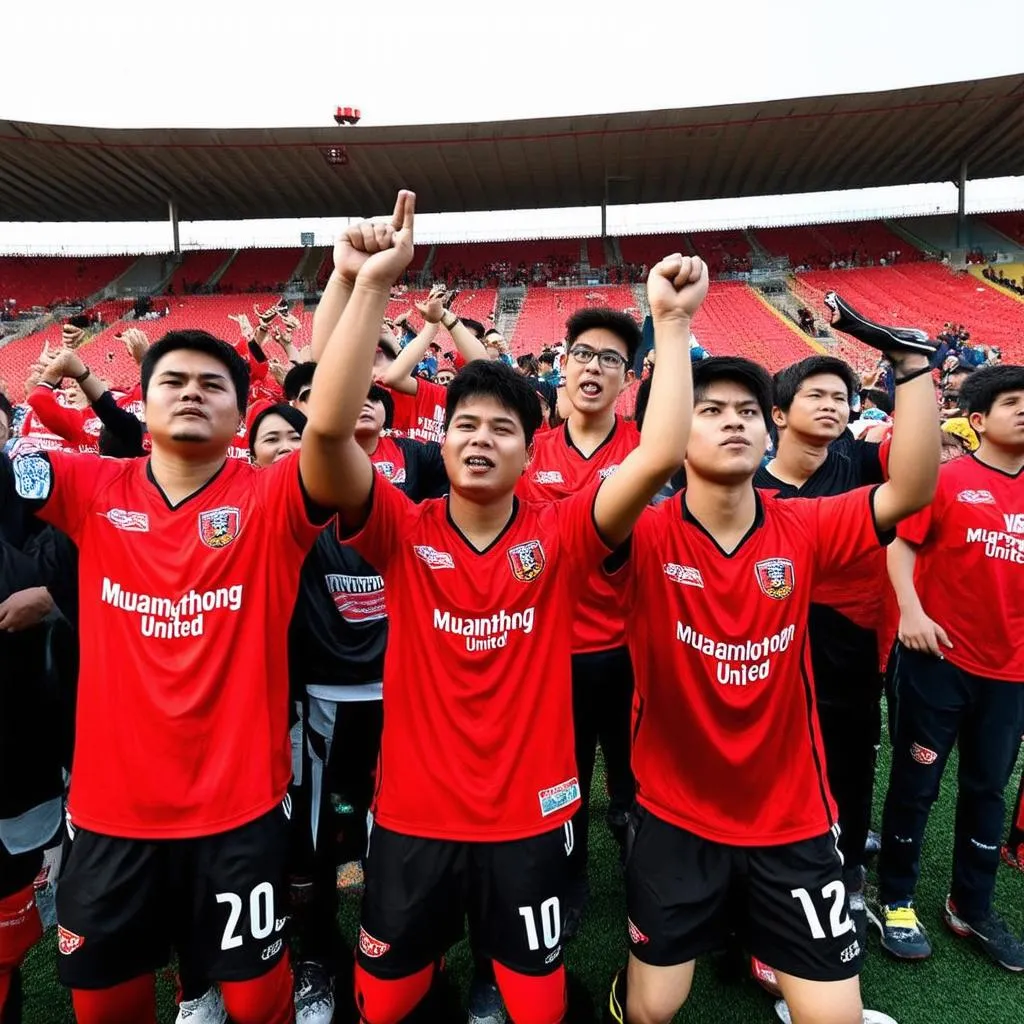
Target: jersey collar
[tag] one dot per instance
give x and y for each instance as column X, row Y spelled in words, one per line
column 184, row 501
column 996, row 469
column 569, row 443
column 688, row 518
column 465, row 540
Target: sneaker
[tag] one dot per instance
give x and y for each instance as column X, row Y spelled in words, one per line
column 207, row 1009
column 991, row 935
column 314, row 994
column 765, row 977
column 485, row 1004
column 870, row 1016
column 1013, row 857
column 903, row 936
column 873, row 844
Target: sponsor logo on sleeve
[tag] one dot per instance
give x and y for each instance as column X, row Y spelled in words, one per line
column 922, row 755
column 636, row 936
column 218, row 527
column 557, row 797
column 548, row 476
column 688, row 575
column 434, row 558
column 67, row 941
column 133, row 522
column 775, row 577
column 33, row 477
column 976, row 498
column 371, row 947
column 527, row 560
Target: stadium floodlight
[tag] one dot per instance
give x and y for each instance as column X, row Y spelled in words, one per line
column 347, row 115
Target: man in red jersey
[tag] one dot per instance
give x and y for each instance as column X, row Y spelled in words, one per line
column 189, row 568
column 420, row 404
column 586, row 448
column 477, row 781
column 733, row 800
column 959, row 678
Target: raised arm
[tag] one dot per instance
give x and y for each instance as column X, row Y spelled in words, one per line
column 675, row 288
column 916, row 443
column 399, row 375
column 336, row 472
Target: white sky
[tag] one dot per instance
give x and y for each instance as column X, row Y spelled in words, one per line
column 227, row 63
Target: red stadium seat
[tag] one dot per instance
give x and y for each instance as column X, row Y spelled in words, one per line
column 45, row 281
column 265, row 270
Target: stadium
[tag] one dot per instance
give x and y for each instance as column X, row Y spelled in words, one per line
column 956, row 276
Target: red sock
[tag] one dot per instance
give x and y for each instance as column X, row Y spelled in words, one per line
column 263, row 1000
column 133, row 1002
column 20, row 928
column 532, row 999
column 390, row 1000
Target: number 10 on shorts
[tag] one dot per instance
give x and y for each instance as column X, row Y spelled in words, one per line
column 550, row 924
column 839, row 920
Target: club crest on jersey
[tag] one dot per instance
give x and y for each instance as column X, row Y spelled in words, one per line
column 68, row 942
column 33, row 477
column 218, row 527
column 775, row 577
column 976, row 498
column 527, row 560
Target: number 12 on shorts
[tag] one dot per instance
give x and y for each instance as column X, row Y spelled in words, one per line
column 839, row 920
column 550, row 924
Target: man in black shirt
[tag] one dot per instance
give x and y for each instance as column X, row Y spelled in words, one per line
column 817, row 457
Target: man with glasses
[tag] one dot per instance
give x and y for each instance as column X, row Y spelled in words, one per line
column 602, row 346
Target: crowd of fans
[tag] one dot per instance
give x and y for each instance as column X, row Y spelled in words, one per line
column 556, row 580
column 999, row 277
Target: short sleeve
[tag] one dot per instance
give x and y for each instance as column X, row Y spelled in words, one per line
column 430, row 476
column 915, row 529
column 285, row 501
column 58, row 486
column 578, row 530
column 867, row 458
column 844, row 528
column 390, row 518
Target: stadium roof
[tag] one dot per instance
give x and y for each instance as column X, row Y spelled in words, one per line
column 55, row 173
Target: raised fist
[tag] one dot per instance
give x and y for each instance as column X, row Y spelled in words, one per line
column 136, row 342
column 379, row 253
column 432, row 308
column 71, row 337
column 676, row 286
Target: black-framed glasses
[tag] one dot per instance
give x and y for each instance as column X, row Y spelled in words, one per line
column 304, row 395
column 607, row 358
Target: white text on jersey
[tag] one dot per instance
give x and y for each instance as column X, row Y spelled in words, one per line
column 485, row 633
column 166, row 619
column 742, row 663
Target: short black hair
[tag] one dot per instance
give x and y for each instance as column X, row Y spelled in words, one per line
column 547, row 356
column 297, row 378
column 207, row 344
column 382, row 395
column 475, row 326
column 879, row 399
column 745, row 372
column 788, row 381
column 962, row 368
column 622, row 325
column 979, row 392
column 292, row 416
column 485, row 378
column 7, row 409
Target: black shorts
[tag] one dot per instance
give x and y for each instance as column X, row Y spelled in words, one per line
column 788, row 905
column 420, row 891
column 123, row 904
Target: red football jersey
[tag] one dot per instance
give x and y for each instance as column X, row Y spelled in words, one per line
column 183, row 688
column 970, row 543
column 389, row 460
column 559, row 469
column 726, row 737
column 478, row 738
column 421, row 416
